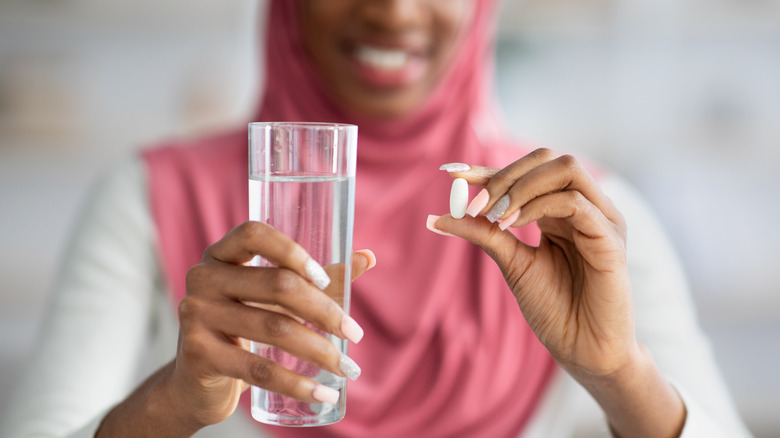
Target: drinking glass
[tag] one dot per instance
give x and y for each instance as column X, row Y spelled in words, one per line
column 302, row 183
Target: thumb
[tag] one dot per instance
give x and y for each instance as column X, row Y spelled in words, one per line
column 362, row 261
column 501, row 245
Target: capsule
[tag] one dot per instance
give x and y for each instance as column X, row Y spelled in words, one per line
column 459, row 198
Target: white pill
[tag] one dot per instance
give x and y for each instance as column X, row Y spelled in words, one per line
column 459, row 198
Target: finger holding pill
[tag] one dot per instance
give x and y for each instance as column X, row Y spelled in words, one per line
column 459, row 198
column 455, row 167
column 475, row 175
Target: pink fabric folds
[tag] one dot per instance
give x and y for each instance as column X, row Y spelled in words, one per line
column 447, row 352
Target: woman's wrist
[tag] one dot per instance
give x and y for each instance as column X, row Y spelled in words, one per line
column 636, row 398
column 153, row 409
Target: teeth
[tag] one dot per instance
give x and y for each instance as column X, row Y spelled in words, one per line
column 382, row 58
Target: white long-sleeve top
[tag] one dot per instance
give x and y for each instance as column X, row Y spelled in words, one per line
column 111, row 322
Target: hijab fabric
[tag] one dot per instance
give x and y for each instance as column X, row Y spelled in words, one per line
column 446, row 351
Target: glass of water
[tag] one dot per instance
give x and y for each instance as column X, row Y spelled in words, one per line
column 302, row 183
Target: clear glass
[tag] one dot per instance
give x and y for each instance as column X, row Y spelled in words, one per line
column 302, row 183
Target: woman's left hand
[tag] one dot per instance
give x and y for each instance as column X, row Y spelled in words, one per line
column 574, row 288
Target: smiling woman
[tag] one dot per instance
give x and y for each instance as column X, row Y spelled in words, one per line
column 492, row 330
column 383, row 58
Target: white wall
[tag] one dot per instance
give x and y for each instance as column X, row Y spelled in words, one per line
column 83, row 83
column 683, row 98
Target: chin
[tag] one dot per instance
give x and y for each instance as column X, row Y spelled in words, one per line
column 384, row 108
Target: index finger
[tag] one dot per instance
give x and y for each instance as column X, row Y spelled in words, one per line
column 475, row 175
column 241, row 244
column 481, row 176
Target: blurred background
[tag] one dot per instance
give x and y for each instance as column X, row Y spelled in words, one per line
column 682, row 97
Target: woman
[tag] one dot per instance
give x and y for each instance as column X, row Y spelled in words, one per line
column 448, row 351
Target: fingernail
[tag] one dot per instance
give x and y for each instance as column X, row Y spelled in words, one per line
column 349, row 367
column 459, row 197
column 371, row 257
column 455, row 167
column 478, row 203
column 432, row 220
column 351, row 329
column 316, row 274
column 325, row 394
column 498, row 209
column 506, row 223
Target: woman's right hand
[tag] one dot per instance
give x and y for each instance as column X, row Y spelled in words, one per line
column 229, row 303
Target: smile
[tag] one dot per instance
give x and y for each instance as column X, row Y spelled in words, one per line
column 384, row 59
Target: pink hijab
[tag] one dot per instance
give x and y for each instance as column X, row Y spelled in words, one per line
column 447, row 352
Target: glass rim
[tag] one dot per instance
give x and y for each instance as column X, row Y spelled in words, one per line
column 322, row 125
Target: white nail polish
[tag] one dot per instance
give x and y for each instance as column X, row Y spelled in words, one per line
column 455, row 167
column 478, row 203
column 351, row 329
column 316, row 274
column 349, row 367
column 499, row 208
column 459, row 198
column 506, row 223
column 325, row 394
column 432, row 220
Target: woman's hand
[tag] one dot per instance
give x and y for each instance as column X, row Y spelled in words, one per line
column 229, row 303
column 213, row 365
column 573, row 289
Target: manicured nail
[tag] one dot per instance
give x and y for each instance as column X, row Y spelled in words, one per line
column 349, row 367
column 351, row 329
column 455, row 167
column 370, row 256
column 459, row 197
column 499, row 208
column 325, row 394
column 506, row 223
column 429, row 225
column 478, row 203
column 316, row 274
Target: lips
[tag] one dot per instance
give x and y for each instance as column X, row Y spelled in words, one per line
column 384, row 67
